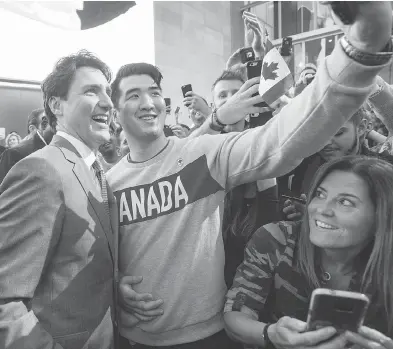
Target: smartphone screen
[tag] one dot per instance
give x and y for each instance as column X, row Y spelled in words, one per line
column 340, row 309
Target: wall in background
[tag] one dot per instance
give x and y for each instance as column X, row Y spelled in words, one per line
column 193, row 41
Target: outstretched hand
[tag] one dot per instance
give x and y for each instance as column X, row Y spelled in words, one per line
column 241, row 103
column 371, row 30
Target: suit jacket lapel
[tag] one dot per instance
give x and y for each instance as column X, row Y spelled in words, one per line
column 85, row 178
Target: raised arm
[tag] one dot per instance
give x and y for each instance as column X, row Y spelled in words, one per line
column 306, row 124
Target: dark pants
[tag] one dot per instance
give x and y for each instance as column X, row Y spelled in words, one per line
column 219, row 340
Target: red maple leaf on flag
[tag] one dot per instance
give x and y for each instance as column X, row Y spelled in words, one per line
column 269, row 71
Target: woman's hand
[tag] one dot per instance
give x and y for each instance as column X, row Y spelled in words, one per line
column 368, row 338
column 291, row 333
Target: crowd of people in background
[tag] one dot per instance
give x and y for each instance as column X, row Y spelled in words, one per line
column 119, row 231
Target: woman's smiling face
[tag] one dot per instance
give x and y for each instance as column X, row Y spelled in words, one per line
column 341, row 213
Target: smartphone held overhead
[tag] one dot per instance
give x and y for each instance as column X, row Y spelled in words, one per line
column 254, row 69
column 185, row 89
column 286, row 47
column 247, row 54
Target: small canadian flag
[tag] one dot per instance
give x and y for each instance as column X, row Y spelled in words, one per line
column 276, row 78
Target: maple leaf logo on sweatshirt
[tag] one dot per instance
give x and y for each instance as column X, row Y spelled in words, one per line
column 269, row 71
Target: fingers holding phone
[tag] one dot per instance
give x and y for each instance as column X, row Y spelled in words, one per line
column 196, row 102
column 288, row 332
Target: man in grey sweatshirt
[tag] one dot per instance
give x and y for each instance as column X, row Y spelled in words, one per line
column 170, row 192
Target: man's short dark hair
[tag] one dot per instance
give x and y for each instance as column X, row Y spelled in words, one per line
column 229, row 75
column 58, row 82
column 134, row 69
column 33, row 118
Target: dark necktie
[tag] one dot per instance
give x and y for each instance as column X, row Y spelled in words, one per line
column 101, row 178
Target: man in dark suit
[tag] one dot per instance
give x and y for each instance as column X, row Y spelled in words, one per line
column 40, row 134
column 57, row 242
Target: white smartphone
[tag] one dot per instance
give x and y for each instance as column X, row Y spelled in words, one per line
column 343, row 310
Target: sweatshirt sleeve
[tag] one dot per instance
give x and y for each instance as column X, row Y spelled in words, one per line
column 301, row 129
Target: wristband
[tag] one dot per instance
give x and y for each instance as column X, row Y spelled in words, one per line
column 366, row 58
column 218, row 122
column 266, row 339
column 215, row 127
column 215, row 124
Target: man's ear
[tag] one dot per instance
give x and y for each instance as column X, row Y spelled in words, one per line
column 55, row 106
column 118, row 151
column 32, row 129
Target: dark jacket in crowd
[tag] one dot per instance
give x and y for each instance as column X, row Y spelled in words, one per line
column 2, row 149
column 12, row 155
column 298, row 181
column 265, row 204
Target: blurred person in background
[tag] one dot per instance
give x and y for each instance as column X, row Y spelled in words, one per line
column 40, row 134
column 246, row 207
column 110, row 153
column 124, row 149
column 12, row 140
column 343, row 243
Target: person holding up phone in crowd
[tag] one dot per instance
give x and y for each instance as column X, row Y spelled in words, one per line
column 197, row 106
column 343, row 243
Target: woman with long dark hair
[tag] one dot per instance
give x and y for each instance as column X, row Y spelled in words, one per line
column 344, row 242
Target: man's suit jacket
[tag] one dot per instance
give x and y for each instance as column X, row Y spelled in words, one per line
column 57, row 254
column 12, row 155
